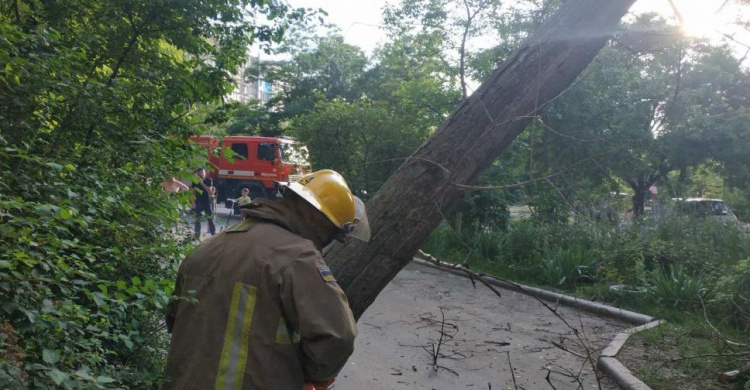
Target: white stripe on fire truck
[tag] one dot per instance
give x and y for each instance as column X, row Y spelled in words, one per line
column 236, row 173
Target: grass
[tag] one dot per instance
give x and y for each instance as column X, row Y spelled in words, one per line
column 680, row 356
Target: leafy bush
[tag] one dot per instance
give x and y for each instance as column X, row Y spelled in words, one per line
column 445, row 244
column 733, row 293
column 85, row 275
column 624, row 254
column 568, row 266
column 699, row 246
column 96, row 100
column 523, row 244
column 676, row 288
column 483, row 246
column 489, row 245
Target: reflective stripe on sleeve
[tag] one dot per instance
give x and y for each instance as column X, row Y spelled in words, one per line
column 236, row 338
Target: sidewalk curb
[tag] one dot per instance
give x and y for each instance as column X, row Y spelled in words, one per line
column 607, row 361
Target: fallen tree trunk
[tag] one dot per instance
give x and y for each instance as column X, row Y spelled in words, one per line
column 409, row 205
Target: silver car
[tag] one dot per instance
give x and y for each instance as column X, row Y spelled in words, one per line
column 715, row 209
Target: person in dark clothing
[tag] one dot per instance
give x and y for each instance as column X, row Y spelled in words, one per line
column 266, row 312
column 203, row 202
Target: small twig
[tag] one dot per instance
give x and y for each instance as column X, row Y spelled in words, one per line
column 512, row 375
column 500, row 343
column 742, row 354
column 434, row 349
column 558, row 345
column 461, row 268
column 440, row 340
column 547, row 378
column 566, row 373
column 146, row 338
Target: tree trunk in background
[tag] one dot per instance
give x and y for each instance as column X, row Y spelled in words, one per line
column 639, row 202
column 411, row 203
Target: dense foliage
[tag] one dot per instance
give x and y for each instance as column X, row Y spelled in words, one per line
column 96, row 102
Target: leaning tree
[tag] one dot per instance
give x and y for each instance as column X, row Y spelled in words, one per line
column 412, row 201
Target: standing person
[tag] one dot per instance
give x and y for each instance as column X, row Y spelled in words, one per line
column 241, row 201
column 203, row 202
column 245, row 198
column 213, row 196
column 267, row 312
column 173, row 186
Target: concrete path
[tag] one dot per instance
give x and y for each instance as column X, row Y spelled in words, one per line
column 399, row 331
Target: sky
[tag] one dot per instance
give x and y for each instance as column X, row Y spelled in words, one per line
column 359, row 20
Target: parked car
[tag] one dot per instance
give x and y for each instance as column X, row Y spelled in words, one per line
column 715, row 209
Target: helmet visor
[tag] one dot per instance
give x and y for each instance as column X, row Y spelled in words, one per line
column 360, row 228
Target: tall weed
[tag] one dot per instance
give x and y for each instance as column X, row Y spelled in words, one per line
column 444, row 243
column 523, row 243
column 676, row 288
column 489, row 245
column 567, row 267
column 623, row 255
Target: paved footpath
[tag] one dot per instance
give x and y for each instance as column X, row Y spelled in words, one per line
column 398, row 332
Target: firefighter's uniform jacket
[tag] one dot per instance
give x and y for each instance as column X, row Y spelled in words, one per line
column 259, row 309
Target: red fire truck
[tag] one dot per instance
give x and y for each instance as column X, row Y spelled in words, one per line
column 258, row 163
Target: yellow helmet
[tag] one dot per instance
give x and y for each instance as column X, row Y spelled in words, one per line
column 327, row 191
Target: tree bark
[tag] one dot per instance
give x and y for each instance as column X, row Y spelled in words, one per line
column 638, row 201
column 411, row 203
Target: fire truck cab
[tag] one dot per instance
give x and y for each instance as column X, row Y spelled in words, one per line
column 257, row 164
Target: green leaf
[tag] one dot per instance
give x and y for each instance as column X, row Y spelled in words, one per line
column 32, row 316
column 54, row 166
column 97, row 297
column 85, row 373
column 10, row 307
column 104, row 379
column 47, row 209
column 25, row 258
column 58, row 376
column 36, row 367
column 65, row 214
column 50, row 357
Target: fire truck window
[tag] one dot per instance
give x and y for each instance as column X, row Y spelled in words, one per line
column 241, row 150
column 266, row 151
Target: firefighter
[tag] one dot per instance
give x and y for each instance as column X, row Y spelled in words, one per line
column 203, row 202
column 257, row 306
